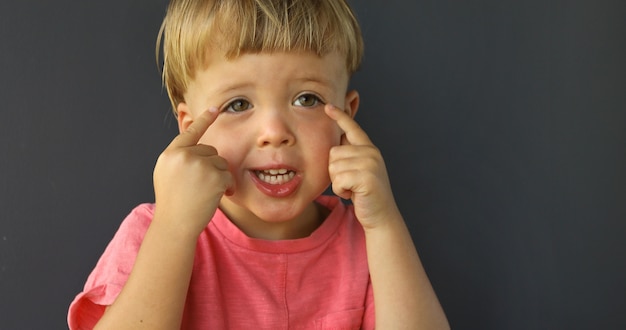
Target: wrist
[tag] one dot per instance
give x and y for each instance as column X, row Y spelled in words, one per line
column 179, row 225
column 387, row 219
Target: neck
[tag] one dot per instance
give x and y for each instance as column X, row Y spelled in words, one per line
column 300, row 227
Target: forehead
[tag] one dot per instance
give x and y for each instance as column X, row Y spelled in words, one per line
column 274, row 68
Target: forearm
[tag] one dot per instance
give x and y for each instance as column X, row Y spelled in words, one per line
column 403, row 295
column 154, row 295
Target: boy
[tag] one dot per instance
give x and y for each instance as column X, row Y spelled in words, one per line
column 239, row 237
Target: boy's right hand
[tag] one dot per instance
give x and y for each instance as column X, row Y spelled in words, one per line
column 190, row 178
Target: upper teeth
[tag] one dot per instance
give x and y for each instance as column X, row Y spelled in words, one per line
column 276, row 176
column 276, row 171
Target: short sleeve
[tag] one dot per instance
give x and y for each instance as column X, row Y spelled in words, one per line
column 111, row 272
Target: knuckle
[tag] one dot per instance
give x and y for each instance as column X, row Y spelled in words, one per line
column 371, row 162
column 334, row 151
column 373, row 150
column 191, row 130
column 210, row 149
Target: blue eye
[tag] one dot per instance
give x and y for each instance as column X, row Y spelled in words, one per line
column 238, row 105
column 307, row 100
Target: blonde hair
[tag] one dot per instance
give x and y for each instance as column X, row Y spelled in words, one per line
column 194, row 28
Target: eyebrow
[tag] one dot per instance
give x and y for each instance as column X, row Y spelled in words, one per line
column 235, row 86
column 314, row 77
column 304, row 79
column 318, row 80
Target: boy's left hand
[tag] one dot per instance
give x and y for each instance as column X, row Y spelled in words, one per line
column 357, row 172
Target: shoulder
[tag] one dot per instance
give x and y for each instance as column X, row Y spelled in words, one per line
column 128, row 237
column 119, row 255
column 142, row 213
column 342, row 222
column 138, row 220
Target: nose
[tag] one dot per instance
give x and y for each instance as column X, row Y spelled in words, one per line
column 275, row 129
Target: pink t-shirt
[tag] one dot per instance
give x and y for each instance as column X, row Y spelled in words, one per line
column 318, row 282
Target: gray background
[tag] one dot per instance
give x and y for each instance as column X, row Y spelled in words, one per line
column 503, row 124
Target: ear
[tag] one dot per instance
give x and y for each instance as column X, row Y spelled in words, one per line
column 351, row 105
column 184, row 116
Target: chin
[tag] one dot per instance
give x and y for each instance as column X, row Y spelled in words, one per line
column 280, row 212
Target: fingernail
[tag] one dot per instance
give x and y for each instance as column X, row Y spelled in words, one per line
column 213, row 109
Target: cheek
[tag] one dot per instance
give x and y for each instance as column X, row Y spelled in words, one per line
column 226, row 141
column 320, row 137
column 333, row 134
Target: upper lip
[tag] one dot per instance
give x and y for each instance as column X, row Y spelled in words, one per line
column 275, row 167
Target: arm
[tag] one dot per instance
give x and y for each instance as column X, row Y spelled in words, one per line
column 155, row 293
column 403, row 296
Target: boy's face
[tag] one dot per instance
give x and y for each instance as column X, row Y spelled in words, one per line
column 272, row 128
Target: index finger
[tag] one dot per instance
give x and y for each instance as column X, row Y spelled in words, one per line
column 196, row 129
column 354, row 133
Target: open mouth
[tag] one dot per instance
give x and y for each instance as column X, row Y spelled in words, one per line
column 275, row 176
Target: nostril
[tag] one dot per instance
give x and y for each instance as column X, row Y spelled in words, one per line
column 266, row 143
column 275, row 133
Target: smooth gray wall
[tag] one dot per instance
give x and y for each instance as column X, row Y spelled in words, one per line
column 503, row 125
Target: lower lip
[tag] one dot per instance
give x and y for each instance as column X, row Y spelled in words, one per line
column 277, row 190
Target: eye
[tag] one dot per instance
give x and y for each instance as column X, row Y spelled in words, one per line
column 307, row 100
column 238, row 105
